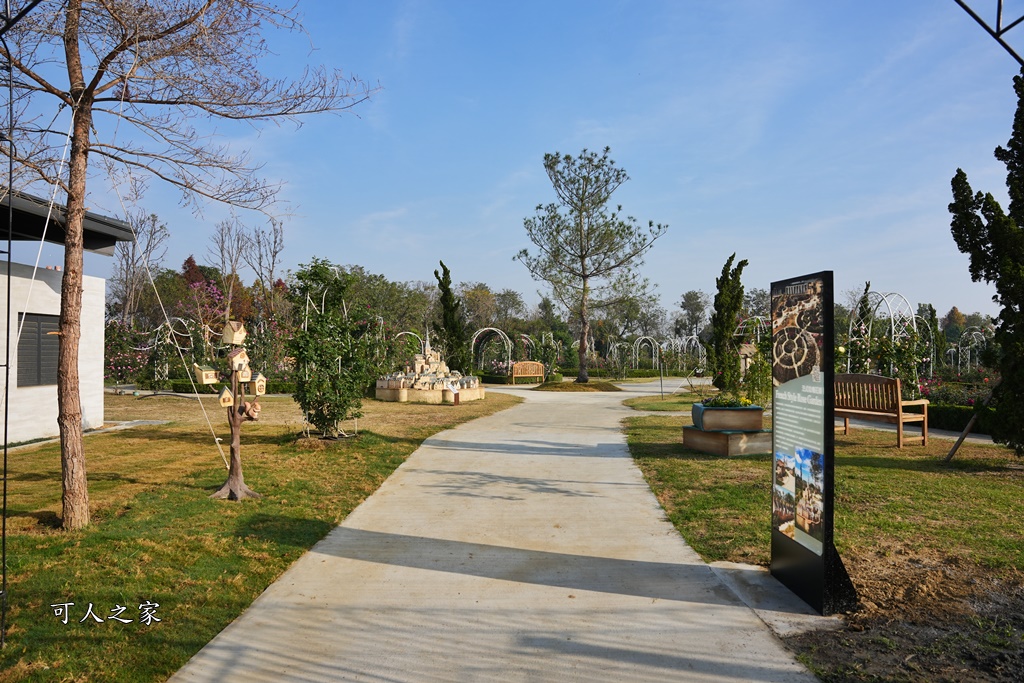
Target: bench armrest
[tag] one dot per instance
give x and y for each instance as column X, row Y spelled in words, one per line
column 916, row 402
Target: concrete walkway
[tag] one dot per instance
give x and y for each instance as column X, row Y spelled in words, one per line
column 524, row 546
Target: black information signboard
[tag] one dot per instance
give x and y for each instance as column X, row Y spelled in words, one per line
column 804, row 558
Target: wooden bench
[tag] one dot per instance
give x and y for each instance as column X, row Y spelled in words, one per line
column 877, row 398
column 527, row 368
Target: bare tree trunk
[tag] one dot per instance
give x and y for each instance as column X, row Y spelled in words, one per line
column 75, row 487
column 583, row 376
column 234, row 488
column 228, row 242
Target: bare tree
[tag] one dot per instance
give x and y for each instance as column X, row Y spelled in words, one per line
column 152, row 67
column 227, row 244
column 262, row 253
column 429, row 300
column 132, row 263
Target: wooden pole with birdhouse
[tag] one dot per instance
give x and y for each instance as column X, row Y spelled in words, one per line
column 239, row 410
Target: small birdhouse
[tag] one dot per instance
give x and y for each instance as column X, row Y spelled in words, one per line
column 238, row 359
column 260, row 384
column 245, row 374
column 204, row 374
column 227, row 399
column 234, row 333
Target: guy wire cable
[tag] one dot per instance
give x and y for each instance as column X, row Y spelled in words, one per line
column 149, row 274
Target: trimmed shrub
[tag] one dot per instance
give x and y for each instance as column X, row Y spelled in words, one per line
column 955, row 418
column 183, row 386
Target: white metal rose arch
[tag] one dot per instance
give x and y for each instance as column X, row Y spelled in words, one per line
column 655, row 350
column 753, row 327
column 891, row 307
column 689, row 347
column 968, row 349
column 419, row 339
column 484, row 335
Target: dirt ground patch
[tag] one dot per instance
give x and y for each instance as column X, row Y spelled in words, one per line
column 923, row 616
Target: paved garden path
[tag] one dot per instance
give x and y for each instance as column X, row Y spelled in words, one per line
column 524, row 546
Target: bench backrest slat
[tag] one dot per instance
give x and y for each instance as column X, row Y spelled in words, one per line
column 527, row 368
column 868, row 392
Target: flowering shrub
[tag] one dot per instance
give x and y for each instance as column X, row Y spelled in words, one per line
column 727, row 401
column 122, row 361
column 123, row 367
column 499, row 367
column 956, row 393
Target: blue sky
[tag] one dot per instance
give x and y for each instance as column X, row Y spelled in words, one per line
column 802, row 136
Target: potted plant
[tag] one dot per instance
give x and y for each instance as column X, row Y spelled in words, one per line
column 724, row 412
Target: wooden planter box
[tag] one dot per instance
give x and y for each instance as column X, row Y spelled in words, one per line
column 712, row 419
column 728, row 442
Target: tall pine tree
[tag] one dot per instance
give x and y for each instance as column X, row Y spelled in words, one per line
column 994, row 239
column 723, row 359
column 452, row 337
column 586, row 251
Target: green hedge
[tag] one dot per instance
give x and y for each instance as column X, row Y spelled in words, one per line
column 505, row 379
column 955, row 418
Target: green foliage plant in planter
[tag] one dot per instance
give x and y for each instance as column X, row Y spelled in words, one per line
column 726, row 412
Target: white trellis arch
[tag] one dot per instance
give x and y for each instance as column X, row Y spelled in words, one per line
column 925, row 328
column 590, row 345
column 968, row 349
column 547, row 339
column 891, row 309
column 173, row 332
column 694, row 349
column 675, row 345
column 170, row 331
column 615, row 350
column 529, row 345
column 485, row 335
column 423, row 346
column 640, row 342
column 618, row 355
column 755, row 326
column 688, row 348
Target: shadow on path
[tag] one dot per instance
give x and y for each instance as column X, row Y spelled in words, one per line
column 656, row 580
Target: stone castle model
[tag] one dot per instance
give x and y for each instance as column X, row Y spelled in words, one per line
column 428, row 380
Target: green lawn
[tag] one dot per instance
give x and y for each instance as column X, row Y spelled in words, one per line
column 157, row 537
column 970, row 508
column 935, row 551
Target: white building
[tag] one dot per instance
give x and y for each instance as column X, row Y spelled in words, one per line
column 35, row 306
